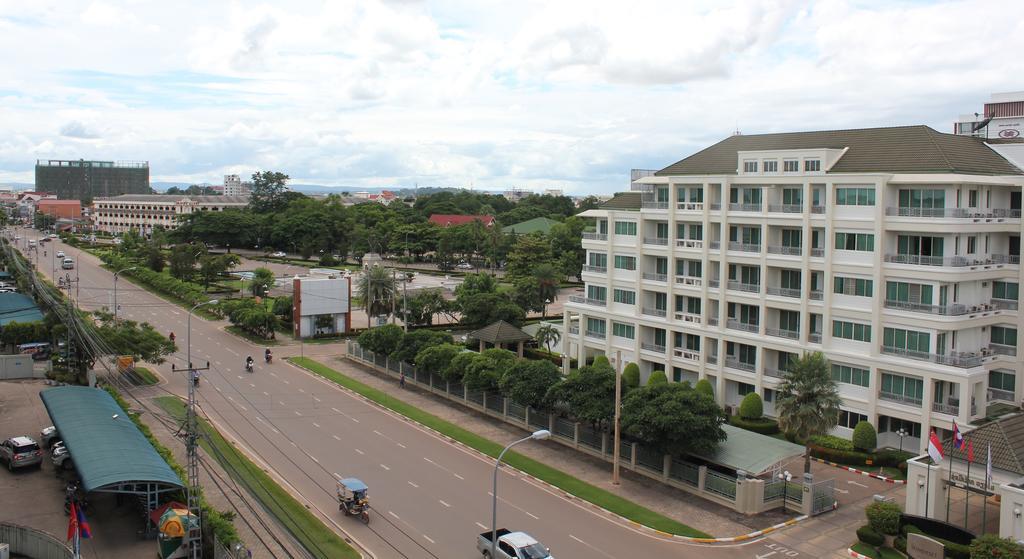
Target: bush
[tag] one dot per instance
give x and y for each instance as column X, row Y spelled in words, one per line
column 870, row 536
column 328, row 260
column 751, row 407
column 884, row 517
column 631, row 376
column 900, row 543
column 657, row 378
column 704, row 385
column 764, row 426
column 992, row 546
column 188, row 293
column 833, row 442
column 382, row 340
column 601, row 360
column 540, row 355
column 864, row 436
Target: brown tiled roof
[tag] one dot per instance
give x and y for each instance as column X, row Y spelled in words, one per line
column 624, row 201
column 901, row 149
column 1006, row 436
column 500, row 332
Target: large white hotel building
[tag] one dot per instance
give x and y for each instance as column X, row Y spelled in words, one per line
column 895, row 251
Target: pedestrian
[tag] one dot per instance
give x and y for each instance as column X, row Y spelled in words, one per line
column 401, row 380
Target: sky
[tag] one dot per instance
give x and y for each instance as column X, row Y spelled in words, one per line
column 482, row 94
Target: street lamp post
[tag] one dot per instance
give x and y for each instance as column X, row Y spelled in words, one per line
column 785, row 477
column 188, row 333
column 536, row 435
column 117, row 273
column 901, row 432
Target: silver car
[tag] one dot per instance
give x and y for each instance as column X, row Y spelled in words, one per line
column 19, row 452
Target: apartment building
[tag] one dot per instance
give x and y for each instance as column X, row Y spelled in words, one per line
column 143, row 212
column 895, row 251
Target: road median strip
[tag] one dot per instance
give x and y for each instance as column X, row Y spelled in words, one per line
column 562, row 482
column 309, row 530
column 861, row 472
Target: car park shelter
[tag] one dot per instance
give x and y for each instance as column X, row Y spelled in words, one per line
column 109, row 452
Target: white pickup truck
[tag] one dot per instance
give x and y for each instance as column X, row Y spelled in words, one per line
column 512, row 545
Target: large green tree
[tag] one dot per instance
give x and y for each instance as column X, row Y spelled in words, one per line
column 437, row 358
column 261, row 282
column 485, row 371
column 421, row 307
column 482, row 309
column 383, row 340
column 808, row 400
column 528, row 381
column 673, row 418
column 183, row 260
column 417, row 340
column 547, row 335
column 211, row 266
column 268, row 191
column 589, row 392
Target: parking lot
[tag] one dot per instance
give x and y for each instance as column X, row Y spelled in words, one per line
column 34, row 497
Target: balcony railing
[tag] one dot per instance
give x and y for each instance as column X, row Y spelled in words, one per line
column 1005, row 304
column 713, row 284
column 687, row 317
column 785, row 250
column 714, row 245
column 652, row 347
column 780, row 333
column 948, row 409
column 689, row 280
column 574, row 330
column 588, row 301
column 595, row 269
column 817, row 295
column 952, row 261
column 594, row 236
column 784, row 292
column 712, row 321
column 596, row 334
column 654, row 312
column 956, row 213
column 653, row 276
column 1000, row 394
column 714, row 206
column 653, row 205
column 900, row 398
column 745, row 207
column 957, row 359
column 690, row 243
column 660, row 241
column 687, row 354
column 740, row 325
column 944, row 310
column 740, row 286
column 1005, row 258
column 712, row 359
column 690, row 206
column 817, row 209
column 817, row 253
column 1001, row 349
column 785, row 208
column 744, row 247
column 741, row 365
column 774, row 373
column 814, row 337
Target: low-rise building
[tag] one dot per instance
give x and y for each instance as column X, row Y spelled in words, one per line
column 144, row 212
column 321, row 305
column 60, row 209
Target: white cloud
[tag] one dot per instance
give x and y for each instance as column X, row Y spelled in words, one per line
column 493, row 94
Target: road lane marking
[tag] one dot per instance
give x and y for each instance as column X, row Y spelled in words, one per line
column 400, row 444
column 218, row 363
column 252, row 385
column 586, row 544
column 394, row 515
column 297, row 412
column 315, row 424
column 230, row 398
column 314, row 458
column 243, row 407
column 265, row 393
column 260, row 419
column 378, row 432
column 315, row 398
column 354, row 419
column 535, row 517
column 482, row 527
column 385, row 467
column 458, row 476
column 426, row 537
column 280, row 402
column 240, row 377
column 218, row 389
column 234, row 352
column 336, row 437
column 301, row 390
column 284, row 381
column 273, row 374
column 446, row 505
column 336, row 410
column 359, row 451
column 857, row 484
column 413, row 484
column 275, row 430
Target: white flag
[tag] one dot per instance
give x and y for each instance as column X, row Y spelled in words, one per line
column 935, row 448
column 988, row 468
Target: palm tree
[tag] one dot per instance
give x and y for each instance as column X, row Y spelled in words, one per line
column 548, row 335
column 377, row 290
column 808, row 401
column 548, row 277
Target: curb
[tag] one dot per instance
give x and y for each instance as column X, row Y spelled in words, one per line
column 570, row 497
column 856, row 555
column 861, row 472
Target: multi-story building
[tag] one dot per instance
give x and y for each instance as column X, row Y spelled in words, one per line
column 1000, row 123
column 143, row 212
column 85, row 180
column 234, row 186
column 895, row 251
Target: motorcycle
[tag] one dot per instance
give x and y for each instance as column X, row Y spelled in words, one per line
column 268, row 358
column 248, row 366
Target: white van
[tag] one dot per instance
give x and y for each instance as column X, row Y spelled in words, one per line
column 69, row 264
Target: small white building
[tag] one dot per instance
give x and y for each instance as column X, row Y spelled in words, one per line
column 321, row 305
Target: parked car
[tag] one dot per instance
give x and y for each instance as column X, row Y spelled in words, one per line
column 54, row 236
column 279, row 254
column 44, row 240
column 20, row 452
column 60, row 457
column 464, row 266
column 512, row 545
column 48, row 436
column 60, row 254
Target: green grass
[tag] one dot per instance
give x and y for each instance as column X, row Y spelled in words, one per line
column 539, row 470
column 316, row 537
column 145, row 376
column 258, row 340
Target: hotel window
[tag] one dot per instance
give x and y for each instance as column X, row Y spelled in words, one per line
column 811, row 165
column 791, row 166
column 855, row 241
column 625, row 262
column 850, row 419
column 1005, row 290
column 623, row 330
column 852, row 286
column 1004, row 336
column 855, row 196
column 750, row 166
column 624, row 296
column 597, row 293
column 1002, row 380
column 851, row 331
column 625, row 228
column 771, row 166
column 851, row 375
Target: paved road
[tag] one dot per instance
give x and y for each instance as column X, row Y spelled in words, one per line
column 430, row 498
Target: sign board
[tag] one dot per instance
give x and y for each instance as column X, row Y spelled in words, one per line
column 923, row 547
column 125, row 363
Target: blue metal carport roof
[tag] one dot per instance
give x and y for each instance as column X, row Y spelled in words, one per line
column 106, row 451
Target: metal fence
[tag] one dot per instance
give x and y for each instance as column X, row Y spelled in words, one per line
column 720, row 484
column 685, row 472
column 774, row 490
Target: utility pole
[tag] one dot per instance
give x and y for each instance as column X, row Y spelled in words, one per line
column 618, row 410
column 393, row 281
column 405, row 306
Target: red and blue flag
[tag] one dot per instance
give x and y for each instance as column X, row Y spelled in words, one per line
column 83, row 524
column 958, row 437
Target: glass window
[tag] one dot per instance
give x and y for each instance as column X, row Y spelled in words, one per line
column 598, row 259
column 899, row 385
column 910, row 340
column 792, row 196
column 855, row 241
column 624, row 296
column 850, row 419
column 1004, row 335
column 1002, row 380
column 625, row 228
column 812, row 165
column 851, row 375
column 596, row 325
column 855, row 196
column 790, row 279
column 789, row 321
column 750, row 166
column 852, row 286
column 625, row 262
column 697, row 194
column 597, row 292
column 791, row 165
column 791, row 238
column 1005, row 290
column 743, row 388
column 623, row 330
column 851, row 331
column 771, row 166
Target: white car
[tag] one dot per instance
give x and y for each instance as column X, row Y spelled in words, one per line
column 60, row 254
column 116, row 241
column 54, row 236
column 279, row 254
column 464, row 266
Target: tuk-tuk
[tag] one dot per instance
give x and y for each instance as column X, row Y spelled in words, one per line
column 352, row 498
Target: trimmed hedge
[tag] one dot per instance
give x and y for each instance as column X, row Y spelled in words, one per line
column 186, row 292
column 870, row 536
column 884, row 517
column 832, row 442
column 890, row 458
column 864, row 437
column 751, row 408
column 763, row 425
column 540, row 355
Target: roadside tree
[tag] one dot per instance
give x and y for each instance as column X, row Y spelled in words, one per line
column 527, row 382
column 808, row 400
column 672, row 418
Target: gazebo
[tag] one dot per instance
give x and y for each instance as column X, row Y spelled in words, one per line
column 500, row 334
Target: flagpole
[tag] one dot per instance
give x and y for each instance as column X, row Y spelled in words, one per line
column 967, row 493
column 949, row 492
column 927, row 487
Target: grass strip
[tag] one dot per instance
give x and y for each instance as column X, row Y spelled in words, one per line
column 569, row 484
column 312, row 533
column 145, row 376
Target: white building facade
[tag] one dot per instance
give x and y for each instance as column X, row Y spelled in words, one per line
column 143, row 212
column 894, row 251
column 321, row 305
column 234, row 186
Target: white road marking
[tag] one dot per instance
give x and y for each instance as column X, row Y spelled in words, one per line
column 584, row 543
column 376, row 432
column 359, row 451
column 252, row 385
column 230, row 398
column 243, row 407
column 535, row 517
column 336, row 437
column 400, row 444
column 843, row 491
column 218, row 362
column 265, row 393
column 260, row 419
column 394, row 515
column 240, row 376
column 218, row 389
column 301, row 390
column 413, row 484
column 275, row 430
column 336, row 410
column 458, row 476
column 284, row 381
column 857, row 484
column 314, row 458
column 446, row 505
column 315, row 424
column 385, row 467
column 280, row 402
column 234, row 352
column 426, row 537
column 354, row 419
column 315, row 398
column 482, row 527
column 273, row 374
column 297, row 412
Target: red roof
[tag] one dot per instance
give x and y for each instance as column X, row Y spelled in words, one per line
column 447, row 220
column 51, row 202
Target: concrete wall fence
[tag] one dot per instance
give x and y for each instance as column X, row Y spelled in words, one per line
column 744, row 495
column 33, row 543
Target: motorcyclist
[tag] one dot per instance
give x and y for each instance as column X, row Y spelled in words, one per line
column 171, row 336
column 267, row 356
column 248, row 363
